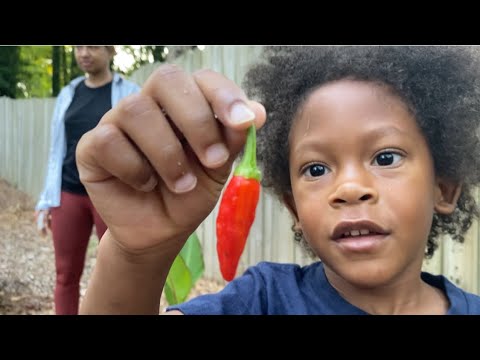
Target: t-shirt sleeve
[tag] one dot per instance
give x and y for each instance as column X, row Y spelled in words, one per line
column 245, row 295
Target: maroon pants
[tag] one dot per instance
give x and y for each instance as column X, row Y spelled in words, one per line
column 72, row 224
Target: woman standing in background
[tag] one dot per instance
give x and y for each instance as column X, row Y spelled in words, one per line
column 64, row 206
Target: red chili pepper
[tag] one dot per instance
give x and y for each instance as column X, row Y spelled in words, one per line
column 237, row 209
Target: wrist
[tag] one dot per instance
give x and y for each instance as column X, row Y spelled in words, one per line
column 126, row 281
column 163, row 253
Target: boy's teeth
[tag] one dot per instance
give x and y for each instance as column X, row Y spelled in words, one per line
column 357, row 232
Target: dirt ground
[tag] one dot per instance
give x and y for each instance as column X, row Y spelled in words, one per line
column 27, row 272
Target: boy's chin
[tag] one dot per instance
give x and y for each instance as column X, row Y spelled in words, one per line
column 368, row 275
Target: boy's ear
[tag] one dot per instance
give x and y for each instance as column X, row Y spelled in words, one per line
column 290, row 204
column 446, row 196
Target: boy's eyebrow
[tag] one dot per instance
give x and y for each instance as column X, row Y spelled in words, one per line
column 370, row 136
column 384, row 131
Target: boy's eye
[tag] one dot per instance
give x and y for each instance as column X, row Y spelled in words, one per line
column 315, row 170
column 387, row 158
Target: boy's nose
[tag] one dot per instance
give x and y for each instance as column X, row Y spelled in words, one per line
column 352, row 193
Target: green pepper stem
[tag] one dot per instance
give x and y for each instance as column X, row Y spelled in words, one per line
column 247, row 167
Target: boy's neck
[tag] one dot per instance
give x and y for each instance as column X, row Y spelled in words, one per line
column 408, row 296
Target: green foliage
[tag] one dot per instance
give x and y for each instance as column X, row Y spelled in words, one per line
column 41, row 71
column 187, row 268
column 25, row 71
column 34, row 78
column 191, row 253
column 64, row 67
column 179, row 282
column 141, row 55
column 9, row 65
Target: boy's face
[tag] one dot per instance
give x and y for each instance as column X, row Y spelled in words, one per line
column 363, row 183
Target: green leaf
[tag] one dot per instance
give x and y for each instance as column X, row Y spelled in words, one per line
column 187, row 268
column 193, row 257
column 179, row 282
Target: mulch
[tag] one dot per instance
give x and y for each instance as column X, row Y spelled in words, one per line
column 27, row 271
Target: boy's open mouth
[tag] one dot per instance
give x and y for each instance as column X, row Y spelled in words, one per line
column 359, row 235
column 346, row 229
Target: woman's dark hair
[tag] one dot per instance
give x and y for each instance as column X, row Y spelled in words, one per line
column 440, row 85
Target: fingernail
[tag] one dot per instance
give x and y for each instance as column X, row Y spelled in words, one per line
column 240, row 113
column 216, row 155
column 150, row 185
column 186, row 183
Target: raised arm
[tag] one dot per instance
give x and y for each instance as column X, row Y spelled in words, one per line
column 154, row 168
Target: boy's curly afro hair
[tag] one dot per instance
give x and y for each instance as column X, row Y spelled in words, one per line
column 440, row 85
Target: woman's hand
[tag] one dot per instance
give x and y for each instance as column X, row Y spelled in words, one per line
column 43, row 221
column 156, row 164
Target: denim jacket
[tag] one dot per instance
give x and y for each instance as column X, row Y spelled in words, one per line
column 50, row 196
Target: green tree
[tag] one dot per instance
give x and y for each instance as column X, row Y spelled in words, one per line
column 64, row 67
column 9, row 67
column 143, row 54
column 42, row 71
column 35, row 72
column 24, row 71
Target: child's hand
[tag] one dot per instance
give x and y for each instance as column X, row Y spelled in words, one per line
column 155, row 177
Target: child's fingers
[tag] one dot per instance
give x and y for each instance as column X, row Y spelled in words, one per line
column 140, row 118
column 137, row 135
column 231, row 106
column 105, row 152
column 178, row 94
column 227, row 99
column 236, row 139
column 260, row 113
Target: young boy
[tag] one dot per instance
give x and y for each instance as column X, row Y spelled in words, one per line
column 381, row 154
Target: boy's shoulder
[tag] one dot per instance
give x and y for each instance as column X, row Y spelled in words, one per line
column 472, row 302
column 461, row 301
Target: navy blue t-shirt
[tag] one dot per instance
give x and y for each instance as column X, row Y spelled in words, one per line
column 288, row 289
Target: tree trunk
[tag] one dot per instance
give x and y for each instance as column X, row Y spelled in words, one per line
column 64, row 65
column 157, row 53
column 74, row 69
column 56, row 70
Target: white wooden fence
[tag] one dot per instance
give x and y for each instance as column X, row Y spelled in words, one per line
column 24, row 142
column 24, row 138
